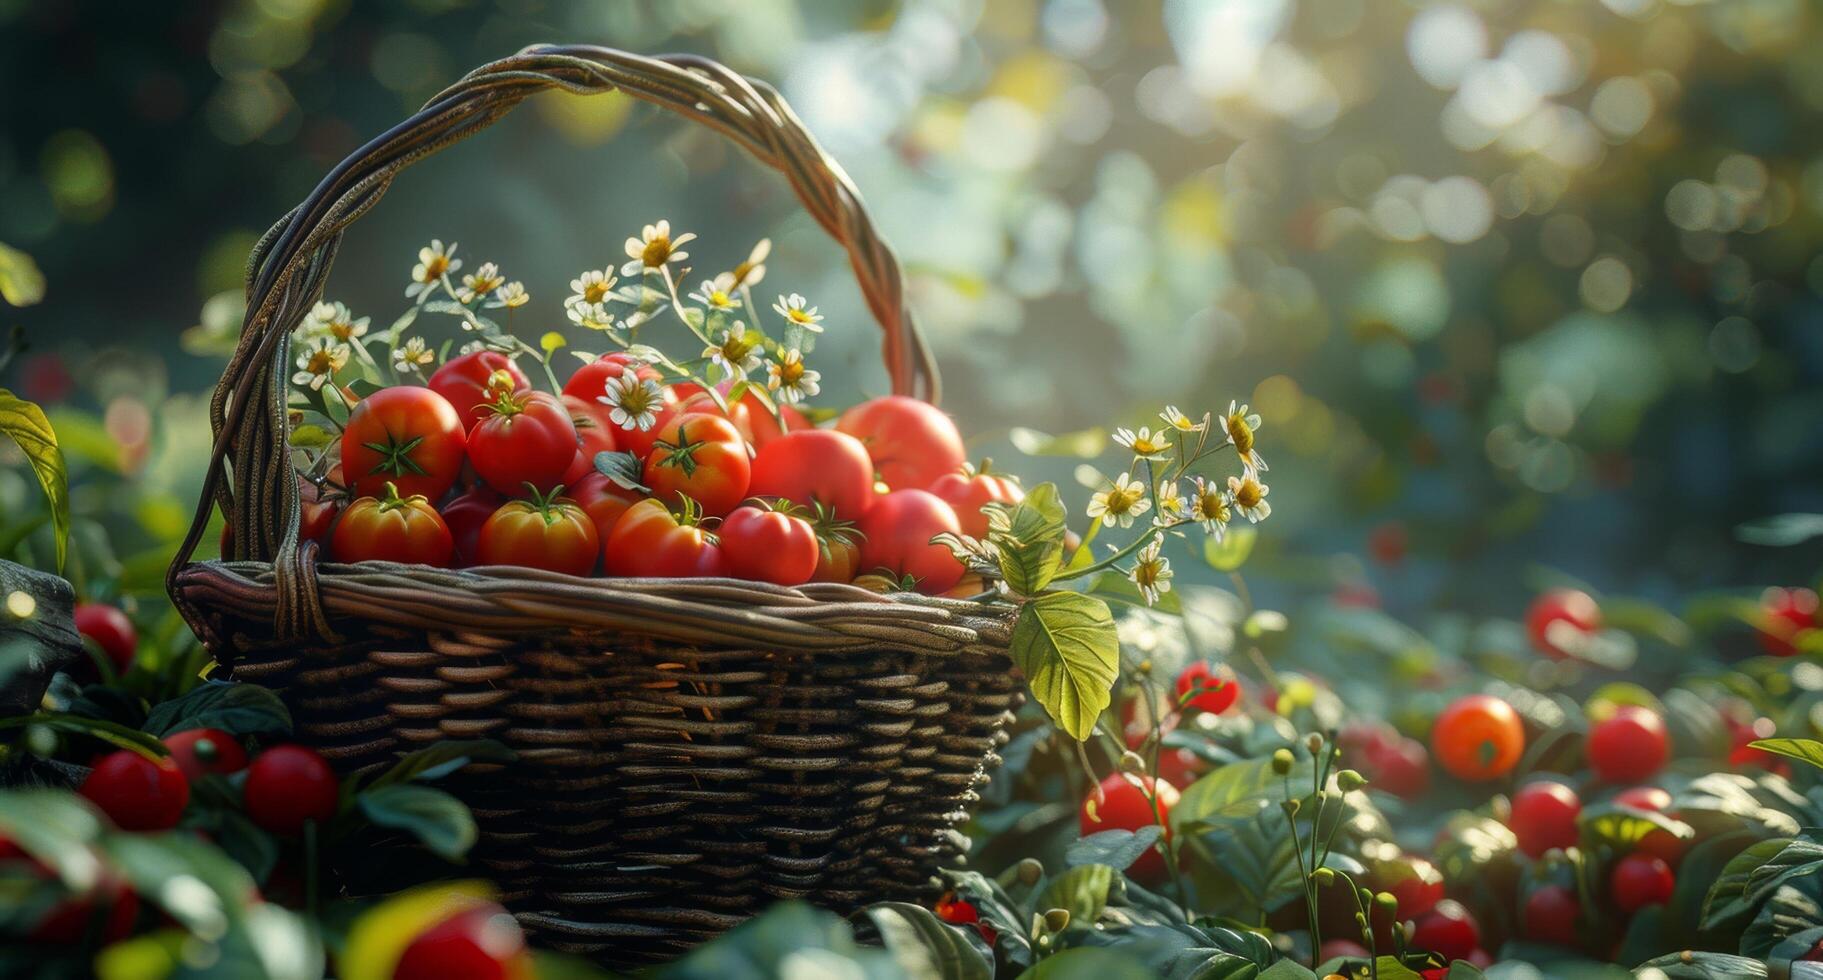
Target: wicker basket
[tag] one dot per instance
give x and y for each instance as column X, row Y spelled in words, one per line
column 689, row 750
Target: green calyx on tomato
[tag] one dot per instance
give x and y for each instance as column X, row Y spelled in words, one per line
column 545, row 504
column 506, row 402
column 392, row 501
column 395, row 457
column 682, row 453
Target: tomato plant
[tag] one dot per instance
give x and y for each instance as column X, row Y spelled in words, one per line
column 523, row 439
column 472, row 382
column 1205, row 687
column 1629, row 745
column 701, row 457
column 911, row 443
column 1124, row 802
column 817, row 467
column 1478, row 737
column 1544, row 816
column 970, row 490
column 408, row 437
column 545, row 531
column 393, row 528
column 288, row 786
column 651, row 542
column 896, row 537
column 768, row 545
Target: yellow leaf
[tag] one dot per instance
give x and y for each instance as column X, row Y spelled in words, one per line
column 25, row 424
column 21, row 284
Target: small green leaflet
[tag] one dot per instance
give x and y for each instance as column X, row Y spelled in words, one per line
column 623, row 469
column 1029, row 536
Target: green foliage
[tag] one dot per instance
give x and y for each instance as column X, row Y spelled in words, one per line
column 25, row 424
column 1029, row 537
column 1066, row 645
column 241, row 709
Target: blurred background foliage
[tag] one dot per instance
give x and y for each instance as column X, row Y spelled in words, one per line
column 1515, row 285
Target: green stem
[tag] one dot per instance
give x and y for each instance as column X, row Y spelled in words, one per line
column 1117, row 557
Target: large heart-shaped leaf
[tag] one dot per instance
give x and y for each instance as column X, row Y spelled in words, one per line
column 1066, row 645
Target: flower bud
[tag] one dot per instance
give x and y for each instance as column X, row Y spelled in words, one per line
column 1057, row 920
column 1324, row 876
column 1348, row 780
column 1030, row 871
column 1314, row 743
column 1132, row 764
column 1386, row 902
column 1290, row 807
column 1282, row 761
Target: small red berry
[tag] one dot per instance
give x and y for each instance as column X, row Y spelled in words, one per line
column 1402, row 767
column 138, row 793
column 1544, row 816
column 1447, row 930
column 1559, row 620
column 1126, row 804
column 1419, row 886
column 1640, row 880
column 1550, row 915
column 1629, row 745
column 111, row 630
column 1215, row 690
column 288, row 785
column 206, row 750
column 1786, row 612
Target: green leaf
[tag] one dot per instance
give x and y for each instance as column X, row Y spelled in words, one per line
column 25, row 424
column 1090, row 963
column 239, row 709
column 438, row 820
column 1619, row 828
column 1081, row 891
column 1029, row 536
column 117, row 735
column 1066, row 645
column 1805, row 750
column 1232, row 551
column 311, row 437
column 1082, row 444
column 622, row 469
column 21, row 284
column 1781, row 530
column 1117, row 849
column 441, row 759
column 924, row 947
column 1693, row 965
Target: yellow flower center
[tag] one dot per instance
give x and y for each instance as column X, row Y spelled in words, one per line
column 736, row 349
column 790, row 373
column 1145, row 574
column 321, row 362
column 1211, row 507
column 436, row 267
column 1121, row 500
column 1148, row 446
column 720, row 300
column 1248, row 494
column 1241, row 433
column 635, row 400
column 798, row 316
column 656, row 252
column 342, row 331
column 594, row 292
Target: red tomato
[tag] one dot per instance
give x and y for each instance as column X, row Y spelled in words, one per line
column 912, row 443
column 765, row 428
column 409, row 437
column 1640, row 880
column 969, row 491
column 1216, row 689
column 839, row 558
column 467, row 382
column 1126, row 804
column 603, row 500
column 288, row 785
column 1544, row 816
column 464, row 517
column 1577, row 612
column 524, row 439
column 1401, row 767
column 206, row 750
column 895, row 536
column 109, row 629
column 1179, row 766
column 1629, row 745
column 1787, row 613
column 1550, row 915
column 392, row 528
column 552, row 534
column 648, row 542
column 136, row 792
column 769, row 546
column 1478, row 737
column 1415, row 882
column 480, row 943
column 701, row 457
column 318, row 506
column 816, row 467
column 594, row 434
column 1447, row 930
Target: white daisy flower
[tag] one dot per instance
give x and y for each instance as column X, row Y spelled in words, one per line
column 797, row 310
column 718, row 293
column 1240, row 424
column 791, row 379
column 1120, row 503
column 1249, row 496
column 592, row 286
column 1172, row 505
column 434, row 262
column 1209, row 506
column 1145, row 443
column 510, row 296
column 594, row 316
column 414, row 355
column 319, row 362
column 483, row 281
column 750, row 272
column 1181, row 422
column 736, row 353
column 633, row 401
column 654, row 249
column 1151, row 573
column 334, row 320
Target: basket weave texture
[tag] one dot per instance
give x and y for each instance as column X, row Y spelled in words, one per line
column 688, row 749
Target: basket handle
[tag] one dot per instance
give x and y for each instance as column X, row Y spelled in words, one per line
column 249, row 474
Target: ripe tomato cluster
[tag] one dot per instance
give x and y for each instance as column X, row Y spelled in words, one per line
column 477, row 468
column 282, row 788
